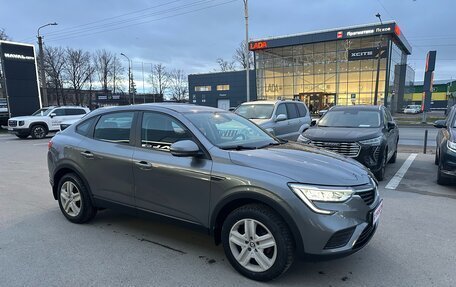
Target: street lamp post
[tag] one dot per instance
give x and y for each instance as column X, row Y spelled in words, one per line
column 247, row 58
column 377, row 79
column 44, row 97
column 129, row 77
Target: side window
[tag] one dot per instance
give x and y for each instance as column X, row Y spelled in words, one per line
column 281, row 109
column 84, row 127
column 114, row 127
column 159, row 131
column 292, row 111
column 59, row 112
column 302, row 110
column 74, row 112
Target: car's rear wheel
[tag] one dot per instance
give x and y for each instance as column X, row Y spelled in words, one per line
column 22, row 136
column 257, row 242
column 38, row 132
column 74, row 199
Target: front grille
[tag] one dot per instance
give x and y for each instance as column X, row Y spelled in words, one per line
column 347, row 149
column 340, row 238
column 12, row 123
column 365, row 236
column 368, row 196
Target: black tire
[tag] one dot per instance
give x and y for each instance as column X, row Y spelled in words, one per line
column 284, row 248
column 38, row 132
column 22, row 136
column 87, row 210
column 436, row 159
column 442, row 179
column 394, row 157
column 380, row 174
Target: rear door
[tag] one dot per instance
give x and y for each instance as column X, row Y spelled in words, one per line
column 106, row 157
column 294, row 123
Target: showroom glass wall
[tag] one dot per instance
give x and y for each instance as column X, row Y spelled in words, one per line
column 321, row 68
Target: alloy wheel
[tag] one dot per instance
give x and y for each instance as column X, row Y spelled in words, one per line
column 253, row 245
column 70, row 198
column 39, row 132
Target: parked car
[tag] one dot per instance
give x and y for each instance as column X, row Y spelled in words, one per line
column 43, row 121
column 445, row 154
column 67, row 123
column 266, row 200
column 368, row 134
column 284, row 119
column 412, row 109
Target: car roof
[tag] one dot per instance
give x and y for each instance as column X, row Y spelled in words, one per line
column 270, row 102
column 357, row 107
column 177, row 107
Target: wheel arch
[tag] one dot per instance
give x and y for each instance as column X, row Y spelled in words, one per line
column 44, row 124
column 65, row 169
column 232, row 202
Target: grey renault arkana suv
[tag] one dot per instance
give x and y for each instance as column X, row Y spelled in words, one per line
column 264, row 199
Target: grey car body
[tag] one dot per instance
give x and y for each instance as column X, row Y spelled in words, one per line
column 202, row 191
column 287, row 119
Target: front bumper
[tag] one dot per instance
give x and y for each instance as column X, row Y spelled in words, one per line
column 18, row 131
column 346, row 231
column 448, row 161
column 371, row 157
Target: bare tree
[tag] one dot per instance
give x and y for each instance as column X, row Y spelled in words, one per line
column 226, row 66
column 54, row 61
column 77, row 71
column 103, row 60
column 240, row 58
column 178, row 85
column 159, row 79
column 117, row 72
column 3, row 35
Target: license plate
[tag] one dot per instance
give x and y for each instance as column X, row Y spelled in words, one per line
column 376, row 213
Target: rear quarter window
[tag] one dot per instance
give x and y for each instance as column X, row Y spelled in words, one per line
column 85, row 127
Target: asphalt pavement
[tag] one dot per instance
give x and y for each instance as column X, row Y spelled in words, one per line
column 414, row 244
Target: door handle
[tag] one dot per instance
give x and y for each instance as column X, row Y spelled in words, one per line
column 143, row 164
column 87, row 154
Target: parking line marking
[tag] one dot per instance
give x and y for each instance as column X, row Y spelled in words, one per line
column 396, row 180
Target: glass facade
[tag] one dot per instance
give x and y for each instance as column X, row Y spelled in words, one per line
column 321, row 74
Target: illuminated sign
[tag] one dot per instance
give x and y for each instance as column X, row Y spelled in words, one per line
column 18, row 57
column 397, row 30
column 340, row 34
column 365, row 54
column 258, row 45
column 366, row 32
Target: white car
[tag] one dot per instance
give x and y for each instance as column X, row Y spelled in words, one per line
column 412, row 109
column 43, row 121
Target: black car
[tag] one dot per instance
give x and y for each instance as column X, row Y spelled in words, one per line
column 445, row 154
column 365, row 133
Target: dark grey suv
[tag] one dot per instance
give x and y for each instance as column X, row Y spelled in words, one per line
column 264, row 199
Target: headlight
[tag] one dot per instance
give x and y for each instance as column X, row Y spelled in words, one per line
column 374, row 141
column 308, row 194
column 21, row 123
column 303, row 139
column 451, row 145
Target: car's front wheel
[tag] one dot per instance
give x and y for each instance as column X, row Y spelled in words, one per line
column 257, row 242
column 74, row 199
column 38, row 132
column 380, row 174
column 442, row 179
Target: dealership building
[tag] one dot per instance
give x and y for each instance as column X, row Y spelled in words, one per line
column 330, row 67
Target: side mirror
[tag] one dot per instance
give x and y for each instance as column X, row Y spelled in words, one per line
column 391, row 125
column 440, row 124
column 52, row 115
column 184, row 148
column 313, row 123
column 281, row 118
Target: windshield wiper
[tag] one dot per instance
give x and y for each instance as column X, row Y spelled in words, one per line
column 238, row 147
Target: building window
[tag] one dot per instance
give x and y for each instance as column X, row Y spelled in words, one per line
column 203, row 88
column 223, row 87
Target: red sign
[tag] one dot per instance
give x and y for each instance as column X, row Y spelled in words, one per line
column 340, row 34
column 258, row 45
column 397, row 30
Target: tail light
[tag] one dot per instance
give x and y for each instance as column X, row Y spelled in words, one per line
column 49, row 144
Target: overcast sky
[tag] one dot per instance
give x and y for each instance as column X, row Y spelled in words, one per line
column 192, row 34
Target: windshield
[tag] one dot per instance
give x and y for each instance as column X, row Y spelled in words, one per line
column 42, row 112
column 351, row 118
column 230, row 131
column 255, row 111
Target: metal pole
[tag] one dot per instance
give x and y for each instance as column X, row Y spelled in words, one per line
column 425, row 141
column 129, row 77
column 144, row 91
column 377, row 78
column 247, row 66
column 44, row 97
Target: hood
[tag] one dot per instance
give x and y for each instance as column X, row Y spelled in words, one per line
column 304, row 164
column 27, row 118
column 260, row 121
column 341, row 134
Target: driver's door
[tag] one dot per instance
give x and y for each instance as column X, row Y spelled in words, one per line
column 57, row 117
column 178, row 187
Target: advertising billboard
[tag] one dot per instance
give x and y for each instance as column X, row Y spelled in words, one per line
column 20, row 78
